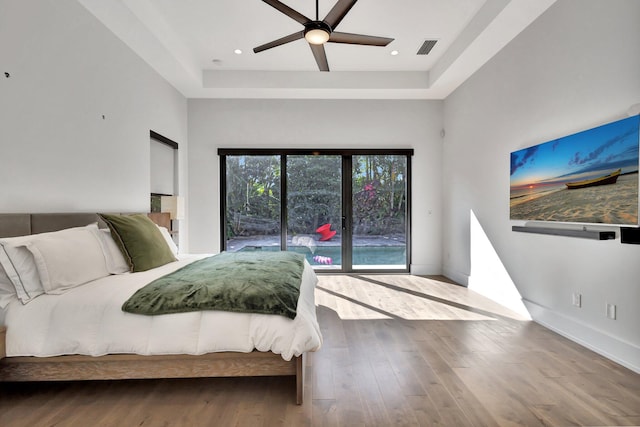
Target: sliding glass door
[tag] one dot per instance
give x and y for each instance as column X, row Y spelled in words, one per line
column 379, row 212
column 314, row 208
column 344, row 210
column 252, row 211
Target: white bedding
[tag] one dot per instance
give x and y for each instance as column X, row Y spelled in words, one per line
column 88, row 320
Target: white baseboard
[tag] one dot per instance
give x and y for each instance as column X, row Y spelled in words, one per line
column 457, row 276
column 622, row 352
column 425, row 270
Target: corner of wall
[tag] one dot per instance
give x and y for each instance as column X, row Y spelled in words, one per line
column 425, row 269
column 457, row 276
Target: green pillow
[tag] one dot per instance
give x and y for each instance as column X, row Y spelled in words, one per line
column 140, row 241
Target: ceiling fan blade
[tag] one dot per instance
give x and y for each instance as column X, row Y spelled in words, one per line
column 293, row 14
column 338, row 12
column 359, row 39
column 320, row 55
column 286, row 39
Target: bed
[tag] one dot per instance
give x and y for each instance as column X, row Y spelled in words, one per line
column 82, row 333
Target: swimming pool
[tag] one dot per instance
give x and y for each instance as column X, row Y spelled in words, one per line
column 363, row 257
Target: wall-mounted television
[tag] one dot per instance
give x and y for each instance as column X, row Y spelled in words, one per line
column 588, row 177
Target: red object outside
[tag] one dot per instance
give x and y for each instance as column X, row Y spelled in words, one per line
column 325, row 232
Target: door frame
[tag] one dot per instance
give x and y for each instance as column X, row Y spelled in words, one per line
column 347, row 168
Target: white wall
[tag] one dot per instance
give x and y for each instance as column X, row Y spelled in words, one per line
column 57, row 152
column 576, row 67
column 217, row 124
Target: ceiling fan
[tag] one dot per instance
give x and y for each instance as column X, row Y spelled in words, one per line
column 317, row 32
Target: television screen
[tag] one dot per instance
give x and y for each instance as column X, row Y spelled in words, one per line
column 587, row 177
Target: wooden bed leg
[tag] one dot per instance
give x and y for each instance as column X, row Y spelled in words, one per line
column 299, row 379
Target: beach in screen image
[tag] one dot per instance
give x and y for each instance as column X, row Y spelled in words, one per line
column 586, row 177
column 610, row 204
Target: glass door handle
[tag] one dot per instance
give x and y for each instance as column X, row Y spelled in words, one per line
column 344, row 222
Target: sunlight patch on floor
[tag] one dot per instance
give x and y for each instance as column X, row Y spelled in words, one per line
column 403, row 296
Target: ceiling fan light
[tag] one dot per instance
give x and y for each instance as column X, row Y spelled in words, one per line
column 317, row 36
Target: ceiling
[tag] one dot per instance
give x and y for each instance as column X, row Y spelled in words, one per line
column 191, row 43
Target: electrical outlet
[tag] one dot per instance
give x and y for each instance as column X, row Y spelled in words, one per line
column 611, row 311
column 577, row 299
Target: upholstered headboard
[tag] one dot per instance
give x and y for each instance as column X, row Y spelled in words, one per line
column 12, row 225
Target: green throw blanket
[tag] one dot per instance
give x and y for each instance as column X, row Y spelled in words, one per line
column 255, row 282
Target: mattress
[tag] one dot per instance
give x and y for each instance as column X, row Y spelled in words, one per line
column 88, row 320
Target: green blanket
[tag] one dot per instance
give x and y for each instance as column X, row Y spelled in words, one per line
column 255, row 282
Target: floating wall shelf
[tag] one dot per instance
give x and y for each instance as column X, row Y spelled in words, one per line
column 585, row 234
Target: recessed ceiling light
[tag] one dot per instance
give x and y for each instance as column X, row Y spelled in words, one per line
column 394, row 52
column 237, row 52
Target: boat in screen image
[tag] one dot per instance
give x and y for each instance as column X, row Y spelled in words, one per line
column 603, row 180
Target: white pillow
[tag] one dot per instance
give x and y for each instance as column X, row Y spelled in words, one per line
column 68, row 258
column 20, row 268
column 7, row 291
column 20, row 265
column 116, row 264
column 167, row 237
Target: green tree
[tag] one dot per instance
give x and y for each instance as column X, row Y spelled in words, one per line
column 253, row 195
column 314, row 192
column 379, row 194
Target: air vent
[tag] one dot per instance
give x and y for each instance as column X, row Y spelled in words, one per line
column 426, row 47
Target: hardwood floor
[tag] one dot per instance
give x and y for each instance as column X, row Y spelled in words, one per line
column 398, row 350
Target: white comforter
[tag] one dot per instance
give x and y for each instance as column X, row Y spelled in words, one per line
column 89, row 320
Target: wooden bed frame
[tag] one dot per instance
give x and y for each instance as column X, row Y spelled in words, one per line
column 131, row 366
